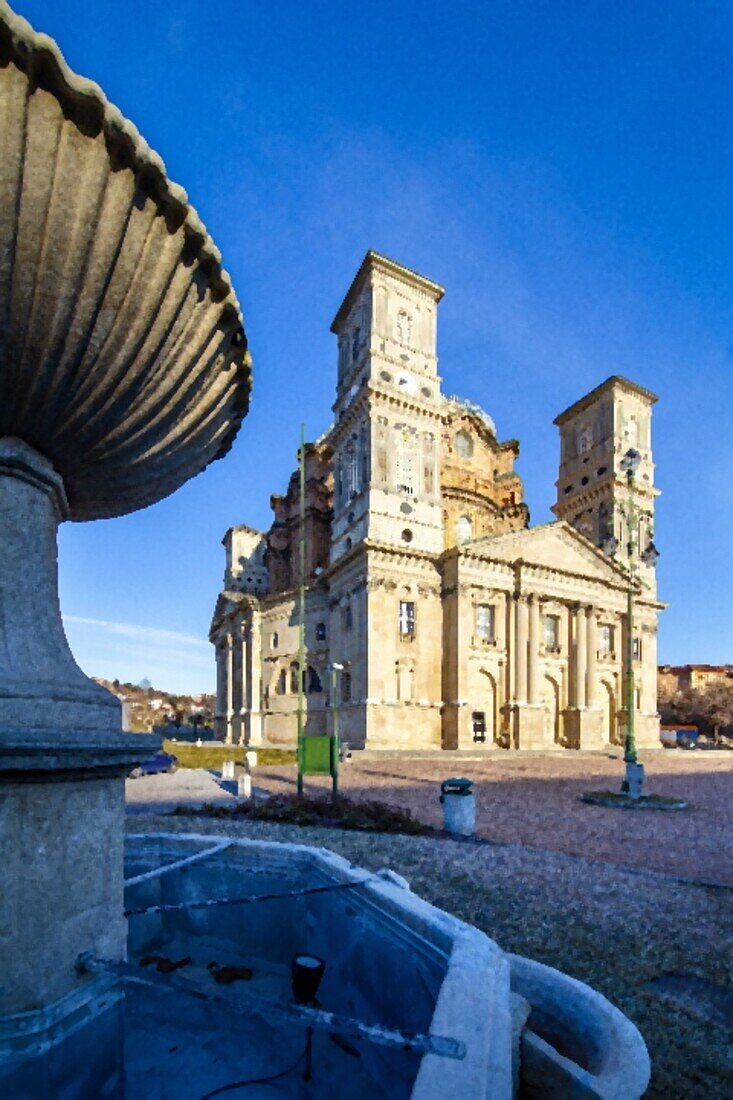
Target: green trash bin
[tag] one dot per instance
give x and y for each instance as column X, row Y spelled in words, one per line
column 459, row 806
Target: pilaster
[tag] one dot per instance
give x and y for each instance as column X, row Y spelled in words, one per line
column 229, row 735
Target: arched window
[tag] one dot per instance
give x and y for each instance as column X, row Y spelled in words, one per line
column 314, row 681
column 352, row 469
column 464, row 529
column 405, row 462
column 282, row 682
column 294, row 678
column 585, row 439
column 605, row 522
column 403, row 327
column 339, row 481
column 275, row 640
column 632, row 431
column 320, row 632
column 428, row 463
column 463, row 444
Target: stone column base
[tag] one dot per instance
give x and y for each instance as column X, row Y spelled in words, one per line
column 530, row 727
column 646, row 731
column 583, row 728
column 523, row 727
column 450, row 724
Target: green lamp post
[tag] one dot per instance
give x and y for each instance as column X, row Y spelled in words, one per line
column 629, row 465
column 336, row 668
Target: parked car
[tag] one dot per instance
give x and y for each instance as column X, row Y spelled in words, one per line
column 679, row 737
column 155, row 764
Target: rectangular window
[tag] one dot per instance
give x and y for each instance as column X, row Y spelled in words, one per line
column 605, row 640
column 320, row 632
column 347, row 619
column 636, row 649
column 407, row 619
column 485, row 622
column 552, row 632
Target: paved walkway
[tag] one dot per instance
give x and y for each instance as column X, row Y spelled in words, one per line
column 186, row 787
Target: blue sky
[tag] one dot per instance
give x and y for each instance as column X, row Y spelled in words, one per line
column 565, row 170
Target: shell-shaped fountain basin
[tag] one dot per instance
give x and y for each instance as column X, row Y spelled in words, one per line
column 123, row 359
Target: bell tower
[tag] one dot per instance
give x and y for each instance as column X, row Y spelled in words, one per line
column 388, row 409
column 594, row 492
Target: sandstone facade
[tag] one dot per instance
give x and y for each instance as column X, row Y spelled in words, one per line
column 458, row 625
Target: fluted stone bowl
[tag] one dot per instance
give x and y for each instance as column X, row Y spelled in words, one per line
column 123, row 359
column 124, row 367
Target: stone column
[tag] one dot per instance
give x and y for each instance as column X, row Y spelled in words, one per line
column 510, row 643
column 245, row 635
column 220, row 685
column 230, row 687
column 581, row 653
column 520, row 649
column 534, row 650
column 592, row 664
column 258, row 706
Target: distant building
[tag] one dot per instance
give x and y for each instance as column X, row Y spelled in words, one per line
column 674, row 678
column 457, row 624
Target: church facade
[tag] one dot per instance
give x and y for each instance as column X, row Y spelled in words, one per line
column 455, row 624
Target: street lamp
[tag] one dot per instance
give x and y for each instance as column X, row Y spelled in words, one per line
column 629, row 465
column 336, row 668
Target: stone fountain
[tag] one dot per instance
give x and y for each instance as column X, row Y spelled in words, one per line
column 123, row 372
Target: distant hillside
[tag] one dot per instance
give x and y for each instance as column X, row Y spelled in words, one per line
column 148, row 706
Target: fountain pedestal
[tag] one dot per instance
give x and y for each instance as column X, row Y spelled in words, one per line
column 63, row 762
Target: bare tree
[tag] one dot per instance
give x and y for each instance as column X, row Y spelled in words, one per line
column 711, row 710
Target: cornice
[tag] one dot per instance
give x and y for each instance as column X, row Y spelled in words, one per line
column 616, row 381
column 373, row 263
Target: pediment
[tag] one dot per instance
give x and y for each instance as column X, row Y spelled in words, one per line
column 555, row 546
column 226, row 601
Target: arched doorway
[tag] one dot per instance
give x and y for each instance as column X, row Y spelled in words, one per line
column 551, row 708
column 610, row 716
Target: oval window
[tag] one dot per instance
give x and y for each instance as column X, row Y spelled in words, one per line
column 463, row 444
